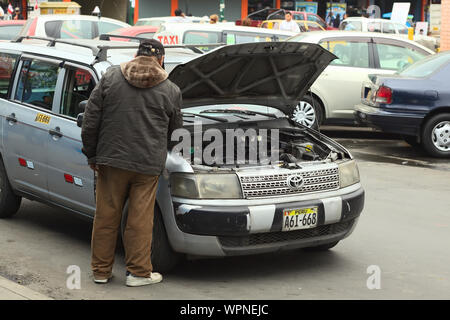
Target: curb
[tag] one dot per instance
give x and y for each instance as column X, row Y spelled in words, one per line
column 10, row 290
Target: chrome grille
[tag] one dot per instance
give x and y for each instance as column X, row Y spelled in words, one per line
column 266, row 185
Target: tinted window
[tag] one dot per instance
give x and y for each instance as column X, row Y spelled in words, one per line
column 37, row 83
column 78, row 86
column 72, row 29
column 427, row 66
column 7, row 65
column 374, row 26
column 201, row 37
column 397, row 57
column 10, row 32
column 105, row 27
column 350, row 54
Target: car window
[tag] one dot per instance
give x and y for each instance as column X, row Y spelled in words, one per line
column 396, row 57
column 374, row 26
column 37, row 83
column 427, row 66
column 298, row 16
column 350, row 53
column 70, row 29
column 201, row 37
column 402, row 29
column 351, row 26
column 10, row 32
column 238, row 38
column 78, row 86
column 313, row 26
column 7, row 65
column 388, row 27
column 105, row 27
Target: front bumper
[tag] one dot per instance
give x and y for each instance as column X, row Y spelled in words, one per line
column 391, row 122
column 243, row 229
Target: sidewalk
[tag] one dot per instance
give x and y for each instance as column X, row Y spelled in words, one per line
column 10, row 290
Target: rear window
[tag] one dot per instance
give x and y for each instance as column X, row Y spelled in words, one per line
column 10, row 32
column 426, row 66
column 201, row 37
column 7, row 65
column 106, row 27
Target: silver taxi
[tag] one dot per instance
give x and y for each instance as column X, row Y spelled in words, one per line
column 309, row 197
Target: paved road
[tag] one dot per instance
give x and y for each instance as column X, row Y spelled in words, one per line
column 404, row 230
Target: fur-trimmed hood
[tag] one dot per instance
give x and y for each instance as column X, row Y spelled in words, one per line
column 143, row 72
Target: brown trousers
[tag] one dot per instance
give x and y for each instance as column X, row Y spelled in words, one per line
column 113, row 187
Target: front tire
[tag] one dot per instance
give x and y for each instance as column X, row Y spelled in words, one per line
column 9, row 202
column 436, row 136
column 308, row 112
column 163, row 257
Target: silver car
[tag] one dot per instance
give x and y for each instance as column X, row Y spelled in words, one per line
column 308, row 197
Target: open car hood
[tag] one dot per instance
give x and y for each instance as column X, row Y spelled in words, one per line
column 275, row 74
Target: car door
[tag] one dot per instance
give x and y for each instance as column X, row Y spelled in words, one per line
column 71, row 180
column 28, row 122
column 391, row 55
column 339, row 85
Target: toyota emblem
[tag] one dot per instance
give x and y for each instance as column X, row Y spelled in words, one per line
column 295, row 181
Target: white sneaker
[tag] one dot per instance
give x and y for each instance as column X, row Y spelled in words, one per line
column 133, row 281
column 102, row 280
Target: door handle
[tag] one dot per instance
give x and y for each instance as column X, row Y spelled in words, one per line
column 55, row 132
column 11, row 118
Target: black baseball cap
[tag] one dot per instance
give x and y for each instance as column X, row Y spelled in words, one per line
column 153, row 46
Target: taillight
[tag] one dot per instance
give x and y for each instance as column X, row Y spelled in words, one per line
column 384, row 95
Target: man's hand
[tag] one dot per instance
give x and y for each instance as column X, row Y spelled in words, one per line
column 94, row 167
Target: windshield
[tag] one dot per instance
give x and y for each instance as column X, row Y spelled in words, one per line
column 237, row 107
column 426, row 66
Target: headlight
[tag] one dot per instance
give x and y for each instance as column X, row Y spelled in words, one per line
column 205, row 186
column 348, row 173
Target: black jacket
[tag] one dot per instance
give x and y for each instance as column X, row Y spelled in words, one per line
column 130, row 117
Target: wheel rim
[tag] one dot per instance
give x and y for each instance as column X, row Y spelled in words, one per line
column 440, row 135
column 304, row 114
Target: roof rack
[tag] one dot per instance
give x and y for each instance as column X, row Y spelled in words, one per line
column 193, row 47
column 99, row 51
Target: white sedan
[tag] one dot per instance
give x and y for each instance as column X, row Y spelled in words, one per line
column 338, row 89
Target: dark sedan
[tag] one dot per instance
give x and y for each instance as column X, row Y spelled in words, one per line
column 414, row 103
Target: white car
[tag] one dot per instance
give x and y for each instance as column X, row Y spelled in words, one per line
column 70, row 26
column 157, row 21
column 386, row 26
column 334, row 94
column 195, row 33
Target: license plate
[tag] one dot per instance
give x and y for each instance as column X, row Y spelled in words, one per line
column 303, row 218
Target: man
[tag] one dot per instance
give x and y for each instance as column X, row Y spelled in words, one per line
column 127, row 124
column 180, row 16
column 17, row 15
column 288, row 24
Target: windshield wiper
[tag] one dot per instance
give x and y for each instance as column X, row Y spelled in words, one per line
column 246, row 112
column 189, row 114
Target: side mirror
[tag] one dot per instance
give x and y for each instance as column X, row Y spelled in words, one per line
column 82, row 106
column 80, row 119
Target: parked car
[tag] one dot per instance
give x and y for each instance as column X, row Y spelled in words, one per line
column 70, row 26
column 338, row 89
column 304, row 25
column 157, row 21
column 10, row 29
column 219, row 33
column 258, row 17
column 386, row 26
column 414, row 103
column 310, row 196
column 142, row 31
